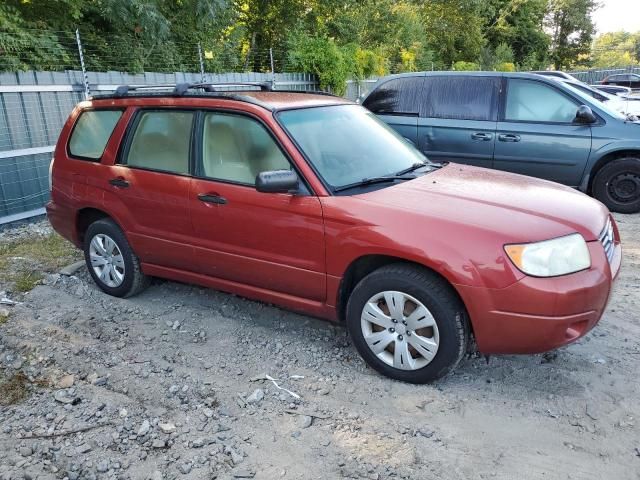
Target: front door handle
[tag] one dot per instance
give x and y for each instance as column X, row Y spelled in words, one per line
column 212, row 198
column 508, row 137
column 484, row 137
column 119, row 182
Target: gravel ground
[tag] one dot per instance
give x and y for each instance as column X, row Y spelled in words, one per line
column 176, row 383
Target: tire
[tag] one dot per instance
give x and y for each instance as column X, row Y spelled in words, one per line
column 617, row 185
column 125, row 278
column 415, row 284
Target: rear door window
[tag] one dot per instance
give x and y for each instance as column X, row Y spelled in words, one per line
column 530, row 101
column 460, row 98
column 162, row 141
column 400, row 96
column 91, row 133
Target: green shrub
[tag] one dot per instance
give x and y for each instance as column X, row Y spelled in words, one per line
column 465, row 66
column 505, row 67
column 322, row 57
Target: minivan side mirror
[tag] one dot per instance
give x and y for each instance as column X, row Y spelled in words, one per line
column 585, row 115
column 277, row 181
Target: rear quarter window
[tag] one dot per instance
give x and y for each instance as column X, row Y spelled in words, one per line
column 396, row 97
column 91, row 133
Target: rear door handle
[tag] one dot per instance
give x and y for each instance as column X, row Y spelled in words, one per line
column 485, row 137
column 212, row 198
column 508, row 137
column 119, row 182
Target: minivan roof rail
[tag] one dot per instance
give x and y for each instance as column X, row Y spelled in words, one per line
column 182, row 88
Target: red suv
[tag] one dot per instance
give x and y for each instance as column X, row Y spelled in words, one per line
column 309, row 202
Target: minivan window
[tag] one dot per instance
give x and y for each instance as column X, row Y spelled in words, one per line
column 162, row 141
column 531, row 101
column 396, row 97
column 460, row 98
column 237, row 148
column 91, row 133
column 603, row 105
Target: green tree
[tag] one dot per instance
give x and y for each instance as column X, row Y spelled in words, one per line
column 454, row 29
column 616, row 49
column 518, row 24
column 572, row 27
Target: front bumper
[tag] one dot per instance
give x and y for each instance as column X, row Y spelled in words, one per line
column 539, row 314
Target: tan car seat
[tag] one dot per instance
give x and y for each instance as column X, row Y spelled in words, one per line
column 223, row 156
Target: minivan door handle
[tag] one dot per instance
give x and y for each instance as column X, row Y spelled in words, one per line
column 485, row 137
column 508, row 137
column 212, row 198
column 119, row 182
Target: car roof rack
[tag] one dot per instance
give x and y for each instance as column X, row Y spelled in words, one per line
column 225, row 90
column 183, row 88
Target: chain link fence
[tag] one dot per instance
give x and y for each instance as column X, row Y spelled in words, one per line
column 43, row 79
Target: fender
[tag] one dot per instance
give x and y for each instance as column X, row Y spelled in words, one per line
column 354, row 243
column 605, row 150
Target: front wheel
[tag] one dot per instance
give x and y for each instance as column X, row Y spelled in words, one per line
column 617, row 185
column 408, row 323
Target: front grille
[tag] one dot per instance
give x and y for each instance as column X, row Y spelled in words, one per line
column 606, row 239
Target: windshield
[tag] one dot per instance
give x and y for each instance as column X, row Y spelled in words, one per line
column 347, row 143
column 603, row 106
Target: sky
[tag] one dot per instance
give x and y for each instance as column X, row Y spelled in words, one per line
column 617, row 15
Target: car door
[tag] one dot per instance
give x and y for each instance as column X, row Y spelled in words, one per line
column 458, row 117
column 634, row 81
column 396, row 102
column 150, row 184
column 537, row 135
column 272, row 241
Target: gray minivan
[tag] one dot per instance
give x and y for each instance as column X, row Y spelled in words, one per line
column 518, row 122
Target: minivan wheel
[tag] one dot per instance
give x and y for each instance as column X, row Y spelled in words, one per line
column 111, row 261
column 407, row 323
column 617, row 185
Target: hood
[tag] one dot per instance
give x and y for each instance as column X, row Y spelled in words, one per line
column 519, row 208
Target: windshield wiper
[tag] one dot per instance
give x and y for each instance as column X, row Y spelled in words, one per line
column 372, row 180
column 401, row 175
column 410, row 169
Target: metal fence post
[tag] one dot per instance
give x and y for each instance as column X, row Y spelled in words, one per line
column 273, row 70
column 87, row 92
column 202, row 75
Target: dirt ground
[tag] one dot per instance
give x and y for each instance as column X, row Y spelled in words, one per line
column 172, row 384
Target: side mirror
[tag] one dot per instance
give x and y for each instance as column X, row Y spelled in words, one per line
column 585, row 115
column 277, row 181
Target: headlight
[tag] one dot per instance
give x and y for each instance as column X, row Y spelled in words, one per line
column 551, row 258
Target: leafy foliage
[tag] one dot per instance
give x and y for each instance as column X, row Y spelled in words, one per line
column 617, row 49
column 572, row 30
column 335, row 39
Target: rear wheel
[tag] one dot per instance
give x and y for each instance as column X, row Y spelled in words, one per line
column 111, row 261
column 407, row 323
column 617, row 185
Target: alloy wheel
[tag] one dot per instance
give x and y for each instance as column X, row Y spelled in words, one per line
column 400, row 330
